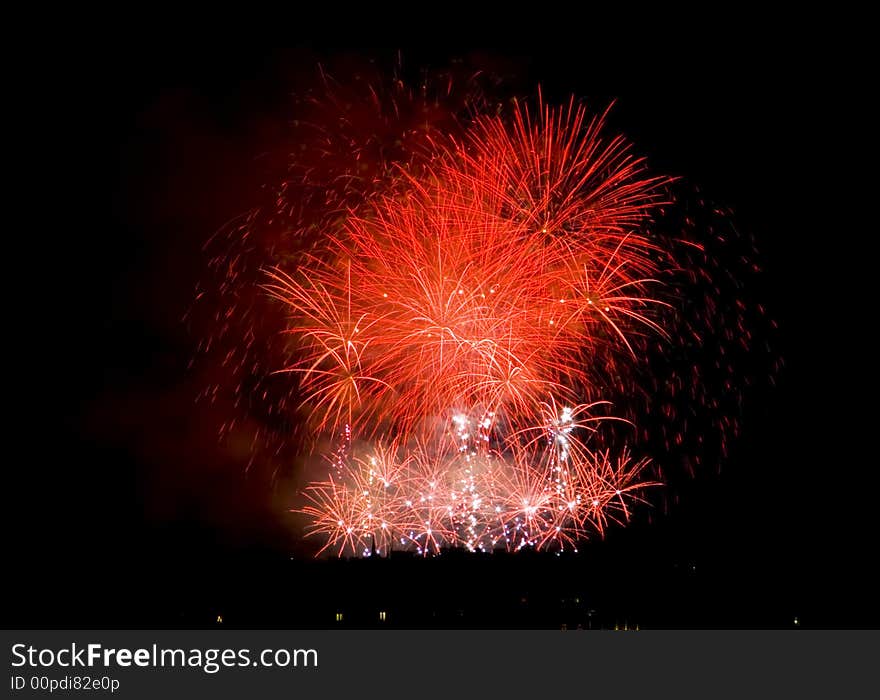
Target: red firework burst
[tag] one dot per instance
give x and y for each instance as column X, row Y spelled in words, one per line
column 490, row 295
column 459, row 313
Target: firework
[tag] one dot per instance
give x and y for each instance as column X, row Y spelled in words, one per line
column 469, row 325
column 465, row 316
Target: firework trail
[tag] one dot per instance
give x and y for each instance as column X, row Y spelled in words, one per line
column 467, row 321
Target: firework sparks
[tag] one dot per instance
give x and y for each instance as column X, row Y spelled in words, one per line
column 456, row 320
column 502, row 282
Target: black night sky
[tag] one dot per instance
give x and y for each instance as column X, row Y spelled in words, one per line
column 126, row 512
